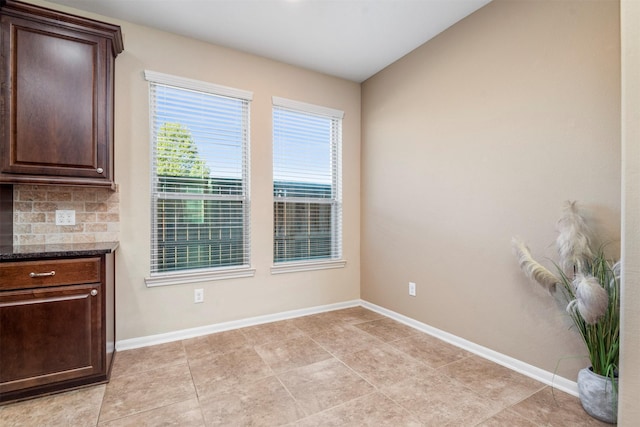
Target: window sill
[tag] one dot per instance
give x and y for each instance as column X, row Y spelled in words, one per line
column 296, row 267
column 179, row 278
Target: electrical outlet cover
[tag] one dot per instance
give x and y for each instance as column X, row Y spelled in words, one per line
column 65, row 217
column 198, row 296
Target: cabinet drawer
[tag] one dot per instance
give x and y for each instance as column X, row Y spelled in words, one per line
column 38, row 274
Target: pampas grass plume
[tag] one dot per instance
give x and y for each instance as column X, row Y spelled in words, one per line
column 533, row 269
column 592, row 300
column 574, row 239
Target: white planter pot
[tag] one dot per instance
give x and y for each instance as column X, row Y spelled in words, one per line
column 598, row 396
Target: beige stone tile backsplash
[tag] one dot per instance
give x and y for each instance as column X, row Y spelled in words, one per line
column 34, row 214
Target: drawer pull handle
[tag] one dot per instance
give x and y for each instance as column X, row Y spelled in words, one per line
column 94, row 292
column 50, row 273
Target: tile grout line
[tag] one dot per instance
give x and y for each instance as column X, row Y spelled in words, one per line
column 293, row 397
column 198, row 397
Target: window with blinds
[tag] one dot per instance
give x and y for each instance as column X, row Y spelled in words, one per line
column 307, row 206
column 200, row 180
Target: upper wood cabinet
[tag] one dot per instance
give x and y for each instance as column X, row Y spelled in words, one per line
column 56, row 90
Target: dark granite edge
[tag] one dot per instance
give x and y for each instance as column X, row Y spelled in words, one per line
column 20, row 252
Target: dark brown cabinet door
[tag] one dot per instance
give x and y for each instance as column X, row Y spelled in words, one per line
column 57, row 85
column 50, row 335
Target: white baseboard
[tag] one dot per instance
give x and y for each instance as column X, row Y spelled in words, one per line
column 531, row 371
column 545, row 377
column 226, row 326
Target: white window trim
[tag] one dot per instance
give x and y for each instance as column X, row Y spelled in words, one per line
column 197, row 276
column 307, row 108
column 300, row 266
column 200, row 86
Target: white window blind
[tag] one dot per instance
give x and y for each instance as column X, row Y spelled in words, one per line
column 307, row 182
column 200, row 181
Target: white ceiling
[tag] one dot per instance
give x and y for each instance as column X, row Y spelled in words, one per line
column 352, row 39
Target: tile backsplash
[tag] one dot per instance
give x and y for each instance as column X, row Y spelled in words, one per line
column 97, row 213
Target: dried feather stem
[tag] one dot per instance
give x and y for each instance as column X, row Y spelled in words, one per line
column 533, row 269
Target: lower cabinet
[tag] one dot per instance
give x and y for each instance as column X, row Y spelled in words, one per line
column 55, row 330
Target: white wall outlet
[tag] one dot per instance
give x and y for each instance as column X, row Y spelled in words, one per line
column 198, row 296
column 64, row 217
column 412, row 289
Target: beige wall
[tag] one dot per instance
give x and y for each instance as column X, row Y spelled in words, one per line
column 480, row 135
column 143, row 311
column 629, row 411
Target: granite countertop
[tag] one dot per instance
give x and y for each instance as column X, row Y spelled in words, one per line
column 18, row 252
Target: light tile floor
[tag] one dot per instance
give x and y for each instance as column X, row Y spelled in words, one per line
column 350, row 367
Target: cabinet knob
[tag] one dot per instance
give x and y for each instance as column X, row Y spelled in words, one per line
column 48, row 273
column 94, row 292
column 99, row 170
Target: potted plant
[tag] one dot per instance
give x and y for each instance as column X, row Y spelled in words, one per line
column 589, row 284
